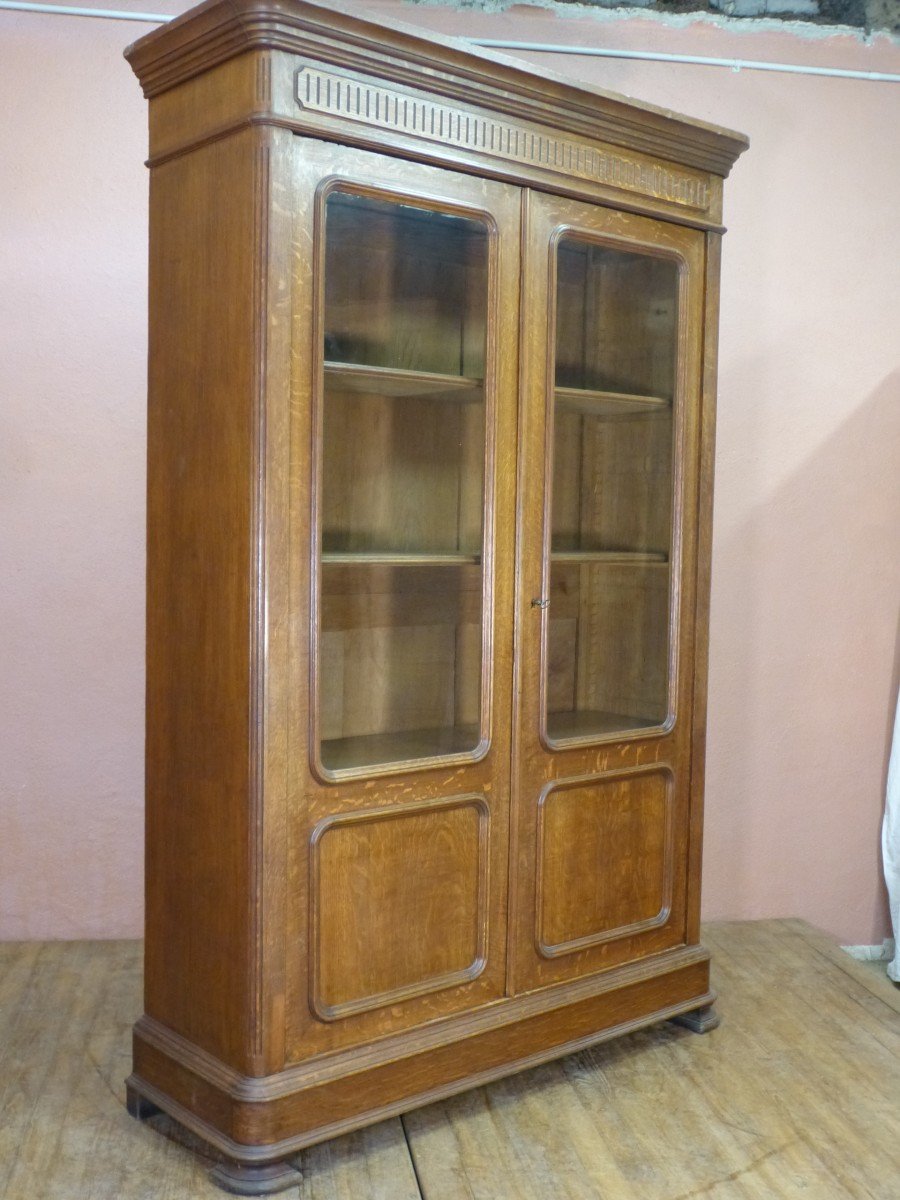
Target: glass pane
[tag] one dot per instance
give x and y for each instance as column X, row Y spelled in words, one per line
column 611, row 509
column 402, row 492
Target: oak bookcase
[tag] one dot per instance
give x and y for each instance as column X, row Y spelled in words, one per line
column 431, row 402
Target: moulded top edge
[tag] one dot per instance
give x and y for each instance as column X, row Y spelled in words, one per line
column 332, row 32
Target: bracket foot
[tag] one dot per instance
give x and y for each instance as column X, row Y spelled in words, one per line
column 243, row 1180
column 139, row 1106
column 701, row 1020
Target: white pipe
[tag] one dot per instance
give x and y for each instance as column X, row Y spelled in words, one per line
column 736, row 64
column 64, row 10
column 696, row 60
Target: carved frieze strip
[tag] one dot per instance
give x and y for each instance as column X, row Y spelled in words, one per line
column 332, row 94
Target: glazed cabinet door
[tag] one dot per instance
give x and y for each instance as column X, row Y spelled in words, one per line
column 607, row 551
column 405, row 336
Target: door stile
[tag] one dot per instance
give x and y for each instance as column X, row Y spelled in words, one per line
column 523, row 532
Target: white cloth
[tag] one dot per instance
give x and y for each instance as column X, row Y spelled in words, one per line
column 890, row 844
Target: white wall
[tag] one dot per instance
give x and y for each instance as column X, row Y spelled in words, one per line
column 807, row 554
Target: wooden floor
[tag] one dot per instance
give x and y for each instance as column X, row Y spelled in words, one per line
column 796, row 1095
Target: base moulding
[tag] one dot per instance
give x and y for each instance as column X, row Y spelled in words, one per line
column 262, row 1121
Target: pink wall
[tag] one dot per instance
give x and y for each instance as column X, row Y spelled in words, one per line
column 807, row 554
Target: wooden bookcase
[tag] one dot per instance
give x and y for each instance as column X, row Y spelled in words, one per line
column 431, row 403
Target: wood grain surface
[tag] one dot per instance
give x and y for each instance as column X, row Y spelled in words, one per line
column 794, row 1096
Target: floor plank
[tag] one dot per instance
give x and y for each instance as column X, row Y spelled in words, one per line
column 66, row 1011
column 796, row 1095
column 872, row 976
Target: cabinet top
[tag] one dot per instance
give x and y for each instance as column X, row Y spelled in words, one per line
column 328, row 32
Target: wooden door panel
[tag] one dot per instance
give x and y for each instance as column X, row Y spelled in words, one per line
column 604, row 859
column 418, row 871
column 403, row 501
column 607, row 557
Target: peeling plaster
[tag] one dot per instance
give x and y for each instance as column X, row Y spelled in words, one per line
column 806, row 30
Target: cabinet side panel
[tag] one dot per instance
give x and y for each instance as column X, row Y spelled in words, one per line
column 704, row 574
column 199, row 598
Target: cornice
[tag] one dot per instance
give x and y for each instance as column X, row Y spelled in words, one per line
column 388, row 50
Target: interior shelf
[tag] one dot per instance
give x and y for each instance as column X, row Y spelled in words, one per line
column 652, row 558
column 608, row 404
column 341, row 754
column 590, row 722
column 384, row 558
column 394, row 381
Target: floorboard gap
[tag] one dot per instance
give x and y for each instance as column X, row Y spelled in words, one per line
column 412, row 1157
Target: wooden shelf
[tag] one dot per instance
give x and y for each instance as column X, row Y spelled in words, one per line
column 609, row 404
column 590, row 723
column 347, row 753
column 636, row 558
column 409, row 385
column 388, row 559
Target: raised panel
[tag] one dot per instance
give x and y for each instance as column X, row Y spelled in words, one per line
column 399, row 903
column 605, row 861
